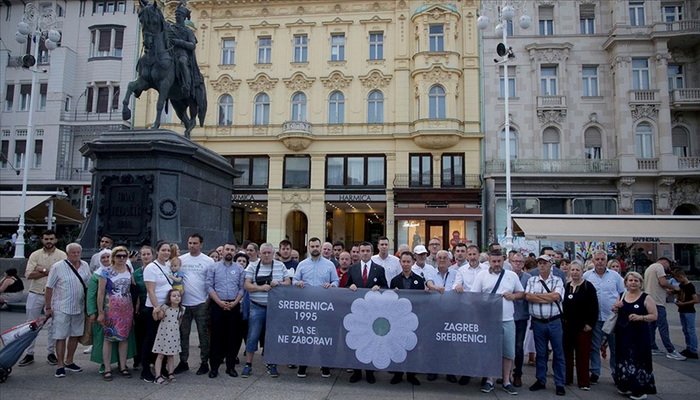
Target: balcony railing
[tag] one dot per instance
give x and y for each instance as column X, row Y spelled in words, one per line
column 689, row 163
column 552, row 102
column 83, row 116
column 568, row 166
column 296, row 127
column 683, row 26
column 468, row 181
column 644, row 96
column 647, row 164
column 690, row 96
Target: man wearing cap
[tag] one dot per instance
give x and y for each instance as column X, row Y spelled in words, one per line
column 549, row 252
column 544, row 294
column 391, row 263
column 422, row 268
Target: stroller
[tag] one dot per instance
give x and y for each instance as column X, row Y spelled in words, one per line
column 15, row 341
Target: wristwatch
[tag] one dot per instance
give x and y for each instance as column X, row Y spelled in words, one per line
column 43, row 270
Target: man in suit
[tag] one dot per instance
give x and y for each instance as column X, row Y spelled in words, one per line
column 370, row 275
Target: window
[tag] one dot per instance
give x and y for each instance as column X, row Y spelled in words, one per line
column 640, row 73
column 262, row 109
column 298, row 107
column 338, row 47
column 4, row 150
column 68, row 103
column 121, row 6
column 86, row 163
column 25, row 93
column 644, row 140
column 452, row 170
column 421, row 170
column 336, row 108
column 228, row 51
column 301, row 48
column 511, row 83
column 675, row 77
column 376, row 46
column 637, row 13
column 548, row 81
column 589, row 83
column 360, row 171
column 42, row 96
column 643, row 207
column 226, row 110
column 595, row 206
column 107, row 99
column 9, row 97
column 38, row 149
column 593, row 143
column 679, row 141
column 436, row 102
column 546, row 21
column 587, row 19
column 436, row 37
column 264, row 50
column 20, row 149
column 550, row 144
column 375, row 107
column 297, row 171
column 255, row 171
column 513, row 142
column 672, row 13
column 107, row 41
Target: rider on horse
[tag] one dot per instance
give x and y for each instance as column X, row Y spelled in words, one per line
column 184, row 42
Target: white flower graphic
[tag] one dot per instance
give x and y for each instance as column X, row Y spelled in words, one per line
column 381, row 328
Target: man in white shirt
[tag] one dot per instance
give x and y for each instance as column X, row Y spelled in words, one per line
column 422, row 268
column 391, row 263
column 467, row 273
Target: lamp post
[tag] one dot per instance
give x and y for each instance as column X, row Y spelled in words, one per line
column 37, row 24
column 505, row 11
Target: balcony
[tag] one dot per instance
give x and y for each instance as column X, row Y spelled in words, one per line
column 296, row 135
column 683, row 33
column 565, row 166
column 551, row 102
column 84, row 116
column 689, row 163
column 644, row 96
column 469, row 181
column 647, row 164
column 685, row 99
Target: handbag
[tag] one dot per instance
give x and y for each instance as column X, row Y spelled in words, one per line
column 609, row 324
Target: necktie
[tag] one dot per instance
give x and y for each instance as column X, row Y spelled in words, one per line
column 364, row 275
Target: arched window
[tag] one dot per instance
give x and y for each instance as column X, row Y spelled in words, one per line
column 644, row 140
column 262, row 109
column 225, row 110
column 593, row 143
column 375, row 107
column 550, row 142
column 436, row 102
column 513, row 144
column 336, row 108
column 679, row 141
column 298, row 107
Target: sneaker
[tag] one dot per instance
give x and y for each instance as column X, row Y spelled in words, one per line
column 674, row 355
column 87, row 350
column 203, row 369
column 51, row 359
column 272, row 370
column 510, row 389
column 657, row 352
column 537, row 386
column 301, row 372
column 594, row 379
column 73, row 367
column 246, row 371
column 181, row 367
column 60, row 373
column 561, row 391
column 586, row 388
column 624, row 392
column 28, row 359
column 487, row 387
column 325, row 372
column 640, row 397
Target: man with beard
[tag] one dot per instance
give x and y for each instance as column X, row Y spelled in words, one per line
column 225, row 287
column 38, row 267
column 315, row 271
column 343, row 268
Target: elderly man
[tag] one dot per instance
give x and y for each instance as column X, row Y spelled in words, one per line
column 391, row 264
column 422, row 268
column 521, row 316
column 656, row 285
column 65, row 301
column 38, row 268
column 315, row 271
column 344, row 262
column 608, row 286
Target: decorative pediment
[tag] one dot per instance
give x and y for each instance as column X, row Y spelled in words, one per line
column 437, row 11
column 228, row 26
column 336, row 81
column 262, row 83
column 298, row 81
column 549, row 52
column 645, row 111
column 375, row 79
column 551, row 116
column 225, row 84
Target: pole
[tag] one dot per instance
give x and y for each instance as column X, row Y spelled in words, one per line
column 509, row 200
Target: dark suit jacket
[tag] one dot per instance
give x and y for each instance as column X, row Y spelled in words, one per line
column 375, row 276
column 417, row 282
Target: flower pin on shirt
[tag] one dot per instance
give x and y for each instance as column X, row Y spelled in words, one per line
column 415, row 282
column 636, row 306
column 375, row 279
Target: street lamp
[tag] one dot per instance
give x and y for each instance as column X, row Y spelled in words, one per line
column 37, row 24
column 505, row 11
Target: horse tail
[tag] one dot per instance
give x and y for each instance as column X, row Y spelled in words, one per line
column 202, row 108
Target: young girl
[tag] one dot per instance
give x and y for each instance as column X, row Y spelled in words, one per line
column 177, row 275
column 167, row 342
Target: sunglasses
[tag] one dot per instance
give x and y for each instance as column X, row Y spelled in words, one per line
column 120, row 256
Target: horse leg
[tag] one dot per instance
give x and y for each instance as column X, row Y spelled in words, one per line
column 134, row 87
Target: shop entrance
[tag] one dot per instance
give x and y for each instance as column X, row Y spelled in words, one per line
column 296, row 230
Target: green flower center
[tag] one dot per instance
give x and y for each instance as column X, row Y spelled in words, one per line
column 381, row 326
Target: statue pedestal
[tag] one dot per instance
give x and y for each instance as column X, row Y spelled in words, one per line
column 150, row 185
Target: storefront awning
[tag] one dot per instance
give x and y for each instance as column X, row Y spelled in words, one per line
column 611, row 228
column 37, row 211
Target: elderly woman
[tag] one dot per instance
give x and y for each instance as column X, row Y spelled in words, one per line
column 580, row 316
column 633, row 368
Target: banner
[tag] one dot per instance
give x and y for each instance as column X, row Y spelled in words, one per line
column 404, row 330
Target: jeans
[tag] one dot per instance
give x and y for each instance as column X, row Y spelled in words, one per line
column 256, row 324
column 200, row 315
column 552, row 333
column 35, row 304
column 596, row 343
column 688, row 325
column 662, row 323
column 520, row 331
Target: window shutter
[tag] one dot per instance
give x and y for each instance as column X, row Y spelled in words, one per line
column 38, row 146
column 118, row 38
column 679, row 137
column 546, row 13
column 587, row 11
column 25, row 89
column 10, row 93
column 42, row 88
column 592, row 138
column 550, row 135
column 105, row 39
column 88, row 102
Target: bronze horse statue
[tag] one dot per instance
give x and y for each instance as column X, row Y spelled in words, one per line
column 157, row 70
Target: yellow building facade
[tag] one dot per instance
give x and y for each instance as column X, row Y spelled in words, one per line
column 351, row 120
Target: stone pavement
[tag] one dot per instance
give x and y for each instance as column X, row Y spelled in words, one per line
column 676, row 380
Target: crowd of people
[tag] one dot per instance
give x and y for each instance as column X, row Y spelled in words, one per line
column 551, row 306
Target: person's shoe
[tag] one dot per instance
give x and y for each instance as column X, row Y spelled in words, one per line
column 147, row 376
column 272, row 370
column 51, row 359
column 246, row 371
column 232, row 372
column 624, row 393
column 355, row 377
column 413, row 380
column 487, row 387
column 87, row 350
column 301, row 372
column 499, row 381
column 510, row 389
column 640, row 397
column 451, row 378
column 203, row 369
column 517, row 381
column 370, row 377
column 291, row 366
column 689, row 354
column 181, row 367
column 431, row 377
column 396, row 379
column 73, row 368
column 325, row 372
column 213, row 373
column 28, row 359
column 675, row 355
column 60, row 373
column 464, row 380
column 537, row 386
column 561, row 391
column 586, row 388
column 594, row 379
column 657, row 352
